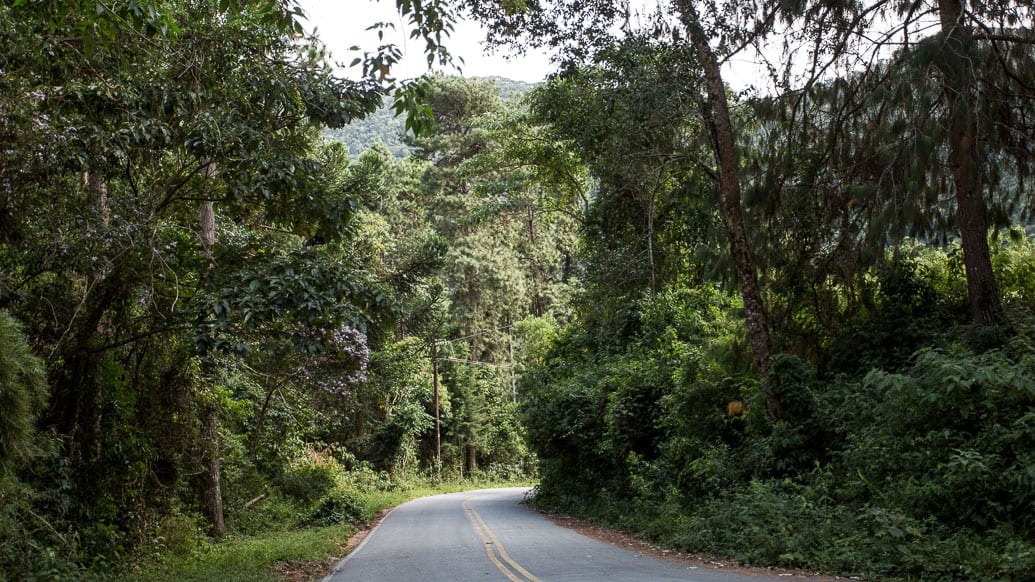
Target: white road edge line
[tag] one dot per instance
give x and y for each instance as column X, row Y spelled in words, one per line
column 355, row 550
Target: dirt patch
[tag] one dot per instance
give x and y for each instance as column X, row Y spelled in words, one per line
column 308, row 570
column 624, row 540
column 318, row 569
column 364, row 529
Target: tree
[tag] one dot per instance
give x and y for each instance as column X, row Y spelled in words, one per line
column 716, row 114
column 116, row 117
column 464, row 251
column 960, row 88
column 581, row 31
column 481, row 267
column 485, row 287
column 22, row 393
column 978, row 68
column 629, row 119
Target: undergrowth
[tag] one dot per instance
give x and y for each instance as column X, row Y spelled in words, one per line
column 911, row 459
column 306, row 546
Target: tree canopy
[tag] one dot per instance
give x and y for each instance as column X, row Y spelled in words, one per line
column 792, row 326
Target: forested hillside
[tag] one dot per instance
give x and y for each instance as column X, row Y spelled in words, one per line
column 384, row 126
column 793, row 327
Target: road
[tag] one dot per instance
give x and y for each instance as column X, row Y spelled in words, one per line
column 490, row 535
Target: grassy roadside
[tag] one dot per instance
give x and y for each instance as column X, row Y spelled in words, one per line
column 296, row 554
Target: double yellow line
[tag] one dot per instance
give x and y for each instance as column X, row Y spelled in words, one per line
column 494, row 549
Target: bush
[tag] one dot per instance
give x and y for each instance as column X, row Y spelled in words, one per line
column 33, row 547
column 307, row 483
column 22, row 392
column 337, row 507
column 180, row 534
column 275, row 512
column 910, row 456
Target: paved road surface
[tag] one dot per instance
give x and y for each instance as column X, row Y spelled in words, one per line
column 490, row 535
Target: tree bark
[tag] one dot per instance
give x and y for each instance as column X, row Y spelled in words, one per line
column 715, row 110
column 207, row 220
column 965, row 158
column 207, row 228
column 535, row 268
column 472, row 459
column 213, row 493
column 213, row 489
column 99, row 189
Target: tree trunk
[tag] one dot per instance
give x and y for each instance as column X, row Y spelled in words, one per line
column 253, row 442
column 213, row 490
column 207, row 228
column 99, row 189
column 472, row 460
column 716, row 115
column 650, row 245
column 965, row 155
column 75, row 410
column 207, row 218
column 535, row 268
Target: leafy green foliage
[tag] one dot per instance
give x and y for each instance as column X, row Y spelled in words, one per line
column 213, row 302
column 121, row 124
column 22, row 393
column 386, row 128
column 921, row 470
column 337, row 507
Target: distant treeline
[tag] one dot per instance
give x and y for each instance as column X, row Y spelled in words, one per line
column 384, row 127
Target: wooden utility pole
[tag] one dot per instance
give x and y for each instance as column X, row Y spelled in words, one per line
column 438, row 422
column 513, row 378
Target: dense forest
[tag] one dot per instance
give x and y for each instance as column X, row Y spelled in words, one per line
column 385, row 127
column 793, row 326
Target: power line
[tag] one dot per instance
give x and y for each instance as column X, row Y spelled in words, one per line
column 474, row 362
column 480, row 332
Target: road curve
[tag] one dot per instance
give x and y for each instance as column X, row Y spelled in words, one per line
column 490, row 535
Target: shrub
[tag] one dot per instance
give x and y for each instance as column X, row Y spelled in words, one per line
column 337, row 507
column 33, row 546
column 306, row 483
column 310, row 476
column 22, row 392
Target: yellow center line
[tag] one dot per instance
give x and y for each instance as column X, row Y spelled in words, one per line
column 493, row 545
column 488, row 545
column 503, row 553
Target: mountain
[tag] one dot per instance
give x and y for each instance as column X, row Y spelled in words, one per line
column 381, row 126
column 384, row 127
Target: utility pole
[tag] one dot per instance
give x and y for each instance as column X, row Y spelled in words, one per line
column 513, row 379
column 438, row 425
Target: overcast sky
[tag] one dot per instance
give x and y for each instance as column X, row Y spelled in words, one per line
column 342, row 24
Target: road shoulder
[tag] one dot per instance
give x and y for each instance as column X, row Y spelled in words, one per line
column 627, row 541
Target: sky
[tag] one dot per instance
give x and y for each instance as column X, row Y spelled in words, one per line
column 341, row 24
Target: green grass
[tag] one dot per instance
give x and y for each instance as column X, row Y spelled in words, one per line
column 254, row 558
column 299, row 554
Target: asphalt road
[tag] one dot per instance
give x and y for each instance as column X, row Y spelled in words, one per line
column 491, row 535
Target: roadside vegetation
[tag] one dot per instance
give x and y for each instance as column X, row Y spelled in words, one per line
column 906, row 451
column 294, row 541
column 803, row 332
column 224, row 340
column 795, row 326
